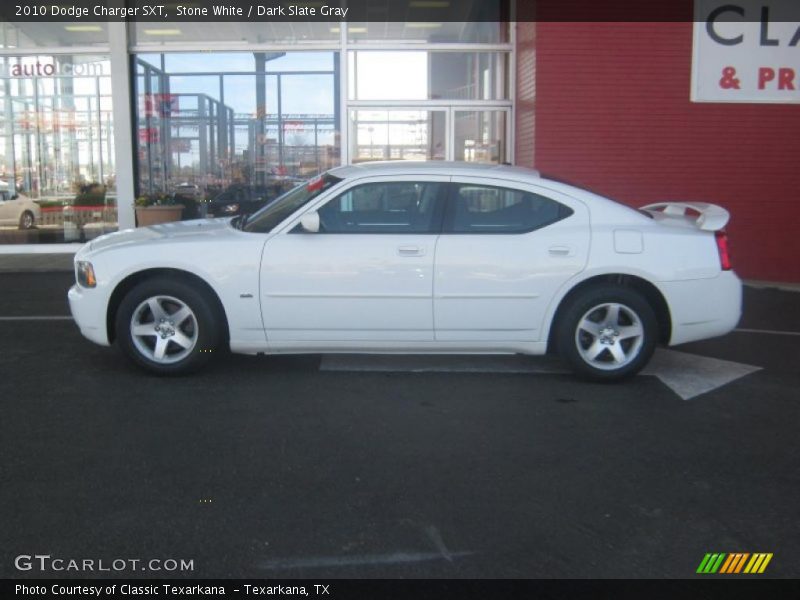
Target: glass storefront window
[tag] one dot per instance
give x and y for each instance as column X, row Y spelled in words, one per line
column 246, row 133
column 56, row 149
column 397, row 134
column 423, row 75
column 241, row 111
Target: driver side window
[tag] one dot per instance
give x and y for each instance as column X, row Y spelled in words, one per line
column 385, row 207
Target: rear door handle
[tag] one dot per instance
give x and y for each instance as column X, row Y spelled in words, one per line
column 559, row 250
column 411, row 251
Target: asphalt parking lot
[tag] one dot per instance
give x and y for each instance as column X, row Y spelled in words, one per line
column 350, row 467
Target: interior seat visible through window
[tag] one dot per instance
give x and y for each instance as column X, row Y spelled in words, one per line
column 489, row 209
column 386, row 207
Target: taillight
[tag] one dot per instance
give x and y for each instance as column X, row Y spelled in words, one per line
column 722, row 248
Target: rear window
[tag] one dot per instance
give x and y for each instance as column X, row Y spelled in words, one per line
column 490, row 209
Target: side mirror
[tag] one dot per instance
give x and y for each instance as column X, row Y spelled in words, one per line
column 310, row 222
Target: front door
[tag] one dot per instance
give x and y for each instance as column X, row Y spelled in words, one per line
column 366, row 276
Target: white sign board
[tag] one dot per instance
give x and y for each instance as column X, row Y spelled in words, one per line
column 746, row 51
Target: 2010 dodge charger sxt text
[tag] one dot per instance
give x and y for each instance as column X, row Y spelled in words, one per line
column 416, row 258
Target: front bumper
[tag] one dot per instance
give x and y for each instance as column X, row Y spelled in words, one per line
column 88, row 310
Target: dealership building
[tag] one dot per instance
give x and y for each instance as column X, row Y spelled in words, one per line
column 97, row 116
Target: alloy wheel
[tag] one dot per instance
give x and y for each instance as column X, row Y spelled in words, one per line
column 164, row 329
column 609, row 336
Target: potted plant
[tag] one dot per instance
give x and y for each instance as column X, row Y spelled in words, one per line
column 152, row 209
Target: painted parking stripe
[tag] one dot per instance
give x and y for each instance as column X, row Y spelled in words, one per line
column 688, row 375
column 767, row 331
column 37, row 318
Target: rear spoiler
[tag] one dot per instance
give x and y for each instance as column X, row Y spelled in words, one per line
column 705, row 216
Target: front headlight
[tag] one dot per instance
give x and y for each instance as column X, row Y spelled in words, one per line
column 230, row 208
column 84, row 273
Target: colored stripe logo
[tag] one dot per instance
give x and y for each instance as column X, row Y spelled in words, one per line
column 734, row 563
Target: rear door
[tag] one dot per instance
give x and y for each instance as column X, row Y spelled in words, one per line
column 505, row 250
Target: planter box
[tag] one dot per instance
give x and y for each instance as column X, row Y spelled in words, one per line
column 153, row 215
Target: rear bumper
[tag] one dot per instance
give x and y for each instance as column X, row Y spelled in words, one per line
column 703, row 308
column 88, row 310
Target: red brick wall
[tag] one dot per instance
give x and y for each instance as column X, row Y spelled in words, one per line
column 525, row 112
column 613, row 114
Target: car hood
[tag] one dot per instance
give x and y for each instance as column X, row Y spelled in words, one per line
column 177, row 231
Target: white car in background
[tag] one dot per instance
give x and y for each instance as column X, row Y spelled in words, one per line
column 18, row 210
column 416, row 258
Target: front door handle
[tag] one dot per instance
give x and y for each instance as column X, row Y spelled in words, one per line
column 559, row 250
column 411, row 251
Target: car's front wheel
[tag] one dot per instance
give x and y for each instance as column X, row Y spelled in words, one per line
column 607, row 333
column 168, row 327
column 27, row 220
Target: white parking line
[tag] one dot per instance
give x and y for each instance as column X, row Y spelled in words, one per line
column 767, row 331
column 37, row 318
column 688, row 375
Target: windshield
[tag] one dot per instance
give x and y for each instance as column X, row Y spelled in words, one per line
column 265, row 219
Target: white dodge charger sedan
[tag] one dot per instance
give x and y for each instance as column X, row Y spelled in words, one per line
column 406, row 257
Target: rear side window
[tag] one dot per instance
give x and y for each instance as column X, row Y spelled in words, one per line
column 386, row 207
column 490, row 209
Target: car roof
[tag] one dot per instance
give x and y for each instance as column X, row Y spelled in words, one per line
column 436, row 167
column 491, row 171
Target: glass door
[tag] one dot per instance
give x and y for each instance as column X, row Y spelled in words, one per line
column 481, row 135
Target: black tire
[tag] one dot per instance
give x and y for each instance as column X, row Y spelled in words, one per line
column 619, row 356
column 27, row 220
column 203, row 326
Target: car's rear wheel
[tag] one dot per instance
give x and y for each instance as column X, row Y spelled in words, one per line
column 607, row 333
column 26, row 220
column 168, row 327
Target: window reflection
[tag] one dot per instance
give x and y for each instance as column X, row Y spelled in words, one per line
column 246, row 132
column 56, row 149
